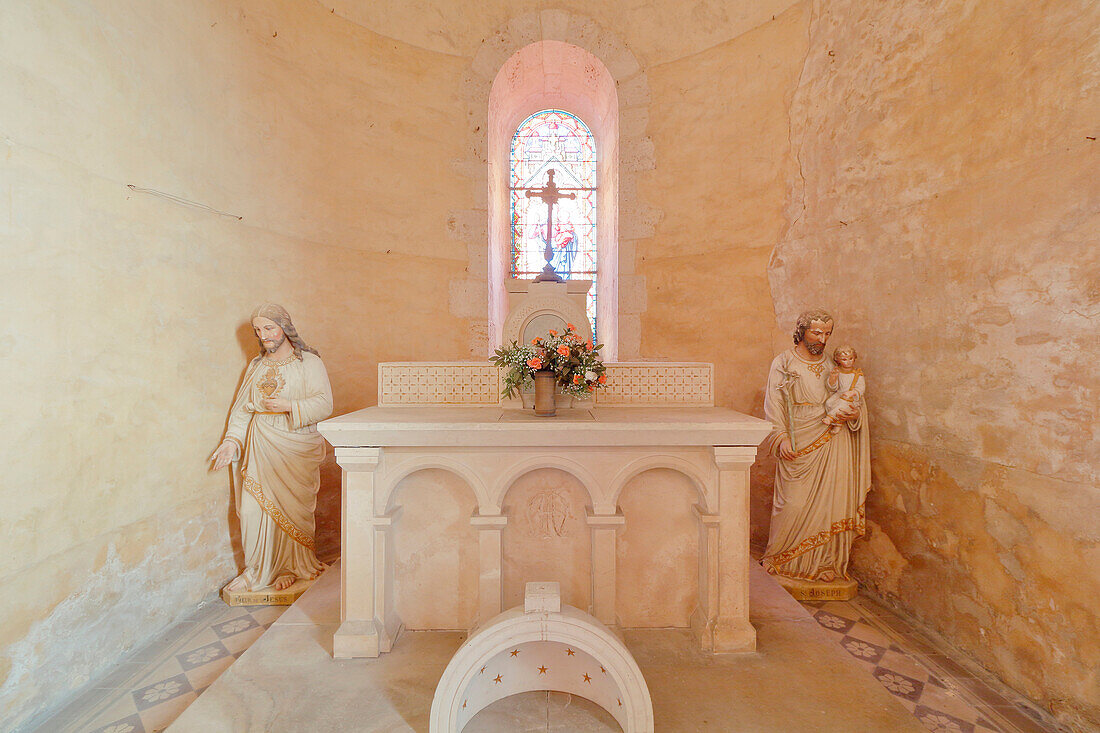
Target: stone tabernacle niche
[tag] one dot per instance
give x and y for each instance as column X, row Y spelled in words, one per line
column 657, row 551
column 435, row 552
column 547, row 536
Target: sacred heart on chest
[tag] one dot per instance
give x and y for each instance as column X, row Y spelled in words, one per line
column 271, row 383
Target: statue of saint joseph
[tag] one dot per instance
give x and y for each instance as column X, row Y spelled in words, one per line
column 276, row 451
column 822, row 477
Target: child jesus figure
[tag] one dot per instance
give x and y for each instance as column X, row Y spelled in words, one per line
column 847, row 384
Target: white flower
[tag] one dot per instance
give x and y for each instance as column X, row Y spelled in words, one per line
column 831, row 621
column 202, row 656
column 119, row 728
column 860, row 649
column 940, row 723
column 591, row 376
column 162, row 690
column 896, row 683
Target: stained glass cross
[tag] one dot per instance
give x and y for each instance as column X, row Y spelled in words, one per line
column 550, row 193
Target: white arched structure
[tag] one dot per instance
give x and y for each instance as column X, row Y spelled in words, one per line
column 555, row 75
column 449, row 417
column 532, row 647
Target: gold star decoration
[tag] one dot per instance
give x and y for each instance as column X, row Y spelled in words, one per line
column 515, row 652
column 602, row 669
column 569, row 652
column 587, row 678
column 498, row 678
column 482, row 671
column 542, row 669
column 463, row 704
column 619, row 701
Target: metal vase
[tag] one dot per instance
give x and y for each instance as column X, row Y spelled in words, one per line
column 545, row 382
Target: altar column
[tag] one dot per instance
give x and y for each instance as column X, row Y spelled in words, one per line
column 732, row 630
column 490, row 584
column 604, row 565
column 706, row 612
column 358, row 634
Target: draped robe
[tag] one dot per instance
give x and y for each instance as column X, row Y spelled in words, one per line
column 277, row 470
column 818, row 509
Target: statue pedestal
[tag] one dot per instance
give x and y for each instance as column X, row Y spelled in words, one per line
column 816, row 590
column 269, row 597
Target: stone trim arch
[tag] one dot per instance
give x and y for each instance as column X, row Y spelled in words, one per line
column 518, row 470
column 387, row 491
column 635, row 154
column 513, row 628
column 673, row 463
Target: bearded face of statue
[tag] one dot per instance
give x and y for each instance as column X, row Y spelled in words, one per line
column 816, row 336
column 269, row 333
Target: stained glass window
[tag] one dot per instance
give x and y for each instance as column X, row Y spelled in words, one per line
column 559, row 141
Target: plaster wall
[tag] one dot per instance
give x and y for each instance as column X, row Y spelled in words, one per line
column 945, row 206
column 718, row 122
column 124, row 312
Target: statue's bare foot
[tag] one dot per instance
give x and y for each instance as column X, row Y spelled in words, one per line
column 828, row 576
column 284, row 581
column 238, row 583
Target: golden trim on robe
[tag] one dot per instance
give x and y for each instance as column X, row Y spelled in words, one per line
column 252, row 486
column 857, row 524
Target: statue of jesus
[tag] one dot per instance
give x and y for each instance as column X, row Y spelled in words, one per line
column 822, row 477
column 276, row 451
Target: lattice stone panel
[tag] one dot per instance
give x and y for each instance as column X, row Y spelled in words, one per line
column 653, row 383
column 629, row 384
column 426, row 383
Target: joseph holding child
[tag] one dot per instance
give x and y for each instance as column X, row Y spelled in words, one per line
column 822, row 477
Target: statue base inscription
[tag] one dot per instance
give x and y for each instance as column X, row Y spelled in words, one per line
column 816, row 590
column 268, row 597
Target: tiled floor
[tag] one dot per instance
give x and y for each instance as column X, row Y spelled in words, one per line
column 152, row 687
column 148, row 691
column 941, row 693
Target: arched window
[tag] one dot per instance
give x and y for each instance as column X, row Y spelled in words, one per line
column 554, row 140
column 528, row 96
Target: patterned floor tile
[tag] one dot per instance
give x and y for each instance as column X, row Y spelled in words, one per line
column 904, row 686
column 864, row 651
column 938, row 721
column 832, row 622
column 129, row 724
column 158, row 692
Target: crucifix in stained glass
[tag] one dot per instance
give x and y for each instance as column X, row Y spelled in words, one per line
column 559, row 141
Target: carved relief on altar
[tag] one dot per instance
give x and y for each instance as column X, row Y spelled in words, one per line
column 548, row 512
column 547, row 536
column 535, row 308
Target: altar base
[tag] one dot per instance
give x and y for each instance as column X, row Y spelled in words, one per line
column 269, row 597
column 816, row 590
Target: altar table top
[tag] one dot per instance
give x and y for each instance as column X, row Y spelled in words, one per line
column 447, row 426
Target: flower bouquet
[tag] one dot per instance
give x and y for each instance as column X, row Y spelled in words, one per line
column 575, row 363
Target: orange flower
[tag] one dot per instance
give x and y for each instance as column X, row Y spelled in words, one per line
column 553, row 332
column 602, row 379
column 570, row 327
column 563, row 350
column 534, row 341
column 576, row 379
column 589, row 343
column 534, row 363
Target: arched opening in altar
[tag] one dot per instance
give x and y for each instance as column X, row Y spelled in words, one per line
column 435, row 551
column 547, row 536
column 553, row 75
column 657, row 550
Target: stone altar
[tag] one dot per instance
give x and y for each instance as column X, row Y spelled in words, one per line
column 449, row 416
